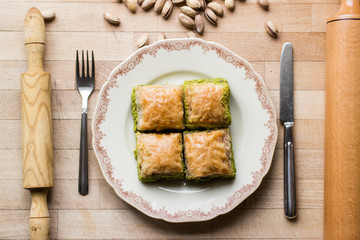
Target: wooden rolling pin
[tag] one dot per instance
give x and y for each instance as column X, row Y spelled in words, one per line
column 342, row 124
column 37, row 145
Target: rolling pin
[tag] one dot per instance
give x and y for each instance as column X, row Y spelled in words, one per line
column 37, row 144
column 342, row 124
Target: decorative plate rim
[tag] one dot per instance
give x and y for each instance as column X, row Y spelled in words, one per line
column 194, row 215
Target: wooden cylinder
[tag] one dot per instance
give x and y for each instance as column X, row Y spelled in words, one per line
column 37, row 138
column 342, row 124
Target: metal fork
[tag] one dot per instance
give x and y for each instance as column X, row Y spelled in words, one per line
column 85, row 86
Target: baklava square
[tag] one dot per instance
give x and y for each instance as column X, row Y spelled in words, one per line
column 208, row 154
column 207, row 103
column 159, row 156
column 157, row 108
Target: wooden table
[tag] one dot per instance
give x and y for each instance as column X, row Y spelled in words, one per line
column 101, row 214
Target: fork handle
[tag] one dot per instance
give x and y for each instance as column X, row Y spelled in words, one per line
column 83, row 163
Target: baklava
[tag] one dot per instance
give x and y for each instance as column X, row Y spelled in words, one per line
column 159, row 156
column 158, row 108
column 208, row 154
column 206, row 103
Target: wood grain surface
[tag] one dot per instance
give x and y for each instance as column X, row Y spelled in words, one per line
column 79, row 24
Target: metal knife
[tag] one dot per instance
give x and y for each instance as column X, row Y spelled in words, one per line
column 287, row 118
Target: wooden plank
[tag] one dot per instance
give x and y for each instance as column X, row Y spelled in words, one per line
column 129, row 224
column 249, row 17
column 258, row 47
column 309, row 163
column 319, row 14
column 268, row 223
column 16, row 196
column 14, row 224
column 109, row 199
column 63, row 45
column 307, row 75
column 307, row 104
column 65, row 165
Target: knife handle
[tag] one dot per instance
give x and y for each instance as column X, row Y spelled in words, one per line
column 289, row 173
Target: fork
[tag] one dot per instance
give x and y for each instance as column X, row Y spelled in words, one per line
column 85, row 86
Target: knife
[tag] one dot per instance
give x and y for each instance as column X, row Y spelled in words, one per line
column 287, row 118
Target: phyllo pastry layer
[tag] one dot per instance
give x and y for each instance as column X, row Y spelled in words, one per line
column 157, row 108
column 208, row 154
column 159, row 156
column 206, row 103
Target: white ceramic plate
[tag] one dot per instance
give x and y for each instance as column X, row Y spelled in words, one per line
column 253, row 129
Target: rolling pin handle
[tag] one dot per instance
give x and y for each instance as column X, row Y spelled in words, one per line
column 39, row 215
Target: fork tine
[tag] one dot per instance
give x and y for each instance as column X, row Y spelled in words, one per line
column 87, row 64
column 77, row 64
column 93, row 65
column 83, row 65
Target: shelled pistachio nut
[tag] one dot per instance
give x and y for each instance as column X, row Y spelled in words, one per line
column 111, row 18
column 210, row 16
column 186, row 21
column 167, row 9
column 271, row 28
column 189, row 11
column 199, row 24
column 48, row 15
column 131, row 5
column 147, row 4
column 217, row 8
column 142, row 41
column 264, row 4
column 230, row 4
column 159, row 6
column 195, row 4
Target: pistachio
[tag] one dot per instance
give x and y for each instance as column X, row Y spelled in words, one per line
column 264, row 4
column 147, row 4
column 195, row 4
column 159, row 6
column 167, row 9
column 178, row 1
column 142, row 41
column 230, row 4
column 191, row 34
column 186, row 21
column 188, row 11
column 217, row 8
column 202, row 4
column 140, row 2
column 199, row 24
column 48, row 15
column 112, row 18
column 271, row 28
column 131, row 5
column 211, row 16
column 161, row 36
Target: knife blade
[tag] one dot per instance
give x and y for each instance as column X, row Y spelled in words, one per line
column 287, row 118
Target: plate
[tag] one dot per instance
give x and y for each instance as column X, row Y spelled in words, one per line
column 253, row 130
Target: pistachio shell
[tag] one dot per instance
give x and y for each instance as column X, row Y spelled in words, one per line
column 195, row 4
column 230, row 4
column 202, row 4
column 178, row 1
column 189, row 11
column 161, row 36
column 159, row 6
column 264, row 4
column 167, row 9
column 271, row 28
column 147, row 4
column 186, row 21
column 199, row 24
column 140, row 2
column 131, row 5
column 217, row 8
column 211, row 16
column 191, row 34
column 48, row 15
column 111, row 18
column 142, row 41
